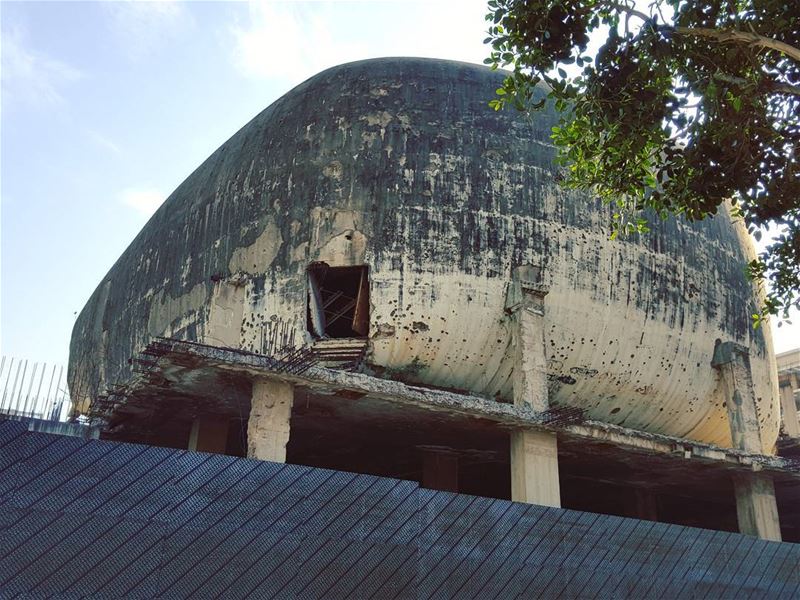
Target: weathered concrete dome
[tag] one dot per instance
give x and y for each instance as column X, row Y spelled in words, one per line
column 398, row 164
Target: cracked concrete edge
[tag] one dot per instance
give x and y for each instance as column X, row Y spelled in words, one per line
column 505, row 415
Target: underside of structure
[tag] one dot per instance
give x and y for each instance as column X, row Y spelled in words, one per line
column 354, row 422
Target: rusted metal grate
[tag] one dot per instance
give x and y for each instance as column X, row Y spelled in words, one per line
column 564, row 415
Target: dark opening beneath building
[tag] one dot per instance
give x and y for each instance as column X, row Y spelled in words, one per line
column 338, row 301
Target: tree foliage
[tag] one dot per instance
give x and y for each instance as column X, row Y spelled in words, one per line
column 685, row 106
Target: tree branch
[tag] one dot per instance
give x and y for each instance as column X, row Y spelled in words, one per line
column 721, row 35
column 772, row 85
column 785, row 88
column 627, row 10
column 741, row 37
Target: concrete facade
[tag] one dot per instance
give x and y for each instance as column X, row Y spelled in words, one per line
column 380, row 275
column 398, row 164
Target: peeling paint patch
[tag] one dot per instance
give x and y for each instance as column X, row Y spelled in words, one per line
column 165, row 309
column 419, row 326
column 344, row 250
column 225, row 319
column 381, row 119
column 384, row 330
column 257, row 257
column 333, row 170
column 300, row 252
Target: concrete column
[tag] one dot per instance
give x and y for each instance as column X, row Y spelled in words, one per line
column 534, row 454
column 645, row 505
column 440, row 471
column 534, row 468
column 756, row 508
column 209, row 434
column 268, row 426
column 791, row 422
column 530, row 359
column 733, row 363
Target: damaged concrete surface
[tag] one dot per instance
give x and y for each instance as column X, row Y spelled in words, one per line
column 355, row 422
column 185, row 370
column 400, row 165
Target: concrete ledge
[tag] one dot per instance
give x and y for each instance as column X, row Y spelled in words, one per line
column 169, row 359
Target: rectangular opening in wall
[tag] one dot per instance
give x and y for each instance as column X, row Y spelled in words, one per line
column 338, row 301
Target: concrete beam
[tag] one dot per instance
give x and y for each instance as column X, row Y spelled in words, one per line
column 733, row 363
column 183, row 359
column 530, row 357
column 209, row 434
column 268, row 427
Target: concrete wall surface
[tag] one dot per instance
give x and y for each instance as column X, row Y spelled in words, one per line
column 92, row 518
column 398, row 164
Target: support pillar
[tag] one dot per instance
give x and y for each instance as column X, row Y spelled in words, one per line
column 645, row 505
column 756, row 508
column 534, row 468
column 791, row 422
column 209, row 434
column 534, row 454
column 268, row 427
column 440, row 471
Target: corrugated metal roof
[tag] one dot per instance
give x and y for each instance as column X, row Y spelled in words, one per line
column 117, row 520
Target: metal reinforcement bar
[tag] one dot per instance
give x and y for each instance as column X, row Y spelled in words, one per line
column 33, row 390
column 292, row 361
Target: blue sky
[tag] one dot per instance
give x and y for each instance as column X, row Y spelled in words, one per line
column 108, row 106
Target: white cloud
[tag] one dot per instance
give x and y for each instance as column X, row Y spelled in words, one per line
column 295, row 40
column 104, row 142
column 30, row 77
column 290, row 41
column 145, row 201
column 140, row 27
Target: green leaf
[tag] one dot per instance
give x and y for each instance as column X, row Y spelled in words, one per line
column 659, row 121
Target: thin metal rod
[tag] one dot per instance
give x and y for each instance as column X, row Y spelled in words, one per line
column 332, row 298
column 39, row 389
column 21, row 385
column 50, row 386
column 342, row 312
column 60, row 375
column 8, row 378
column 30, row 388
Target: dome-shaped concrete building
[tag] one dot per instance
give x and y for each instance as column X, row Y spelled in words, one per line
column 381, row 213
